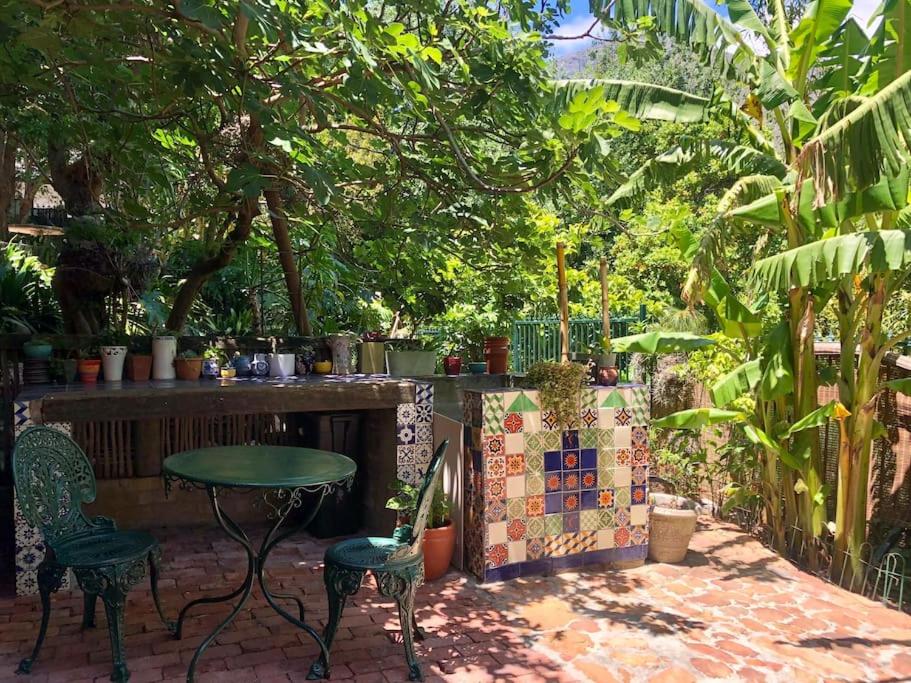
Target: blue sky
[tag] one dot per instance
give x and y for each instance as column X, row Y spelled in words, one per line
column 579, row 19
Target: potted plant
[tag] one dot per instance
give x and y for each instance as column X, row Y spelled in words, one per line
column 452, row 363
column 211, row 364
column 439, row 535
column 411, row 357
column 164, row 353
column 188, row 365
column 559, row 386
column 89, row 365
column 608, row 374
column 139, row 359
column 113, row 354
column 37, row 348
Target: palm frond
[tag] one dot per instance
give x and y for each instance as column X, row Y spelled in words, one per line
column 857, row 150
column 642, row 100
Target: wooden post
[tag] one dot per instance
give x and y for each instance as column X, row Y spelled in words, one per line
column 605, row 303
column 564, row 302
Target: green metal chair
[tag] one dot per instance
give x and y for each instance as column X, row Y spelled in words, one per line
column 53, row 479
column 397, row 564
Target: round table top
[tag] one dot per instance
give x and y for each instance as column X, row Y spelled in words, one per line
column 268, row 467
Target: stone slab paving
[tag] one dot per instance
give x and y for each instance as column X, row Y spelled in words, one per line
column 733, row 612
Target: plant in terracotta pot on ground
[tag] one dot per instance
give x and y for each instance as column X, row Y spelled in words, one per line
column 439, row 534
column 559, row 386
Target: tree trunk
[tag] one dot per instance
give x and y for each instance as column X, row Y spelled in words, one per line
column 78, row 182
column 8, row 150
column 203, row 270
column 29, row 191
column 286, row 258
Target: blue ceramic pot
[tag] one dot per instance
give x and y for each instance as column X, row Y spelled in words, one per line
column 242, row 365
column 210, row 368
column 260, row 365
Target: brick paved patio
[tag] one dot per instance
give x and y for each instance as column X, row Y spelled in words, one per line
column 734, row 612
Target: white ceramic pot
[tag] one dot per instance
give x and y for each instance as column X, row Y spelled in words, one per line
column 281, row 364
column 164, row 351
column 112, row 358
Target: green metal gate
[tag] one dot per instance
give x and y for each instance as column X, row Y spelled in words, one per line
column 538, row 339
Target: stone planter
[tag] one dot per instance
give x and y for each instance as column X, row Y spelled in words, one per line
column 411, row 363
column 673, row 521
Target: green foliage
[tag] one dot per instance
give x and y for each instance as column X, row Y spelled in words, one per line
column 26, row 298
column 559, row 387
column 405, row 503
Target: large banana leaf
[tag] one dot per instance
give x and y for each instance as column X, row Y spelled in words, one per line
column 671, row 166
column 736, row 383
column 833, row 258
column 660, row 342
column 890, row 46
column 873, row 141
column 777, row 364
column 642, row 100
column 819, row 417
column 840, row 64
column 821, row 20
column 736, row 320
column 697, row 418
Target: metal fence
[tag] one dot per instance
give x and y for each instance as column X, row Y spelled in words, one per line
column 538, row 339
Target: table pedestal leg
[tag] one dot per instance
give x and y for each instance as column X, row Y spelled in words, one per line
column 255, row 566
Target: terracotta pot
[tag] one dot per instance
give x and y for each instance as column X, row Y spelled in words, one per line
column 496, row 353
column 138, row 367
column 452, row 365
column 188, row 368
column 439, row 545
column 89, row 369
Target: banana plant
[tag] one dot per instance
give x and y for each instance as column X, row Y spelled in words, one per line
column 830, row 181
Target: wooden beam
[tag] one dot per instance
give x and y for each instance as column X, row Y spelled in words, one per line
column 564, row 302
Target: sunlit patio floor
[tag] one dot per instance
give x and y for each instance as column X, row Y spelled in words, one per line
column 732, row 612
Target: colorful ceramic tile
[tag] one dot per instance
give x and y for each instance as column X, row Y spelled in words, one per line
column 621, row 537
column 423, row 433
column 408, row 473
column 534, row 462
column 588, row 458
column 621, row 516
column 423, row 414
column 640, row 455
column 589, row 500
column 515, row 530
column 639, row 408
column 405, row 455
column 623, row 457
column 571, row 522
column 494, row 445
column 531, row 421
column 606, row 438
column 496, row 533
column 589, row 520
column 588, row 479
column 495, row 468
column 613, row 398
column 553, row 481
column 571, row 481
column 534, row 526
column 622, row 496
column 405, row 433
column 571, row 460
column 495, row 489
column 515, row 443
column 523, row 403
column 606, row 477
column 605, row 418
column 571, row 502
column 553, row 525
column 423, row 393
column 604, row 539
column 623, row 417
column 534, row 506
column 638, row 437
column 553, row 547
column 405, row 413
column 497, row 555
column 588, row 438
column 534, row 548
column 534, row 483
column 606, row 498
column 515, row 464
column 570, row 439
column 553, row 503
column 495, row 511
column 608, row 521
column 515, row 508
column 493, row 413
column 551, row 441
column 515, row 486
column 638, row 495
column 553, row 461
column 549, row 421
column 512, row 423
column 533, row 444
column 638, row 535
column 638, row 515
column 607, row 458
column 517, row 551
column 623, row 437
column 588, row 419
column 588, row 398
column 623, row 476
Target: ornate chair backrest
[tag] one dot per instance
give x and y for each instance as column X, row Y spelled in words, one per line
column 425, row 498
column 53, row 478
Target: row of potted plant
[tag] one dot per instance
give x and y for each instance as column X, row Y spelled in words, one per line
column 418, row 357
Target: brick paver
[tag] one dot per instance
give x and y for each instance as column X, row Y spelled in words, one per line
column 733, row 612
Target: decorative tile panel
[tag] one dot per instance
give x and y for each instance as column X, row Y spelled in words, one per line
column 546, row 497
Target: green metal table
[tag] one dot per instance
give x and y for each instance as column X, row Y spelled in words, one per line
column 282, row 475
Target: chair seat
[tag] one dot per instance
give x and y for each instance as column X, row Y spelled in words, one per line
column 371, row 552
column 100, row 550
